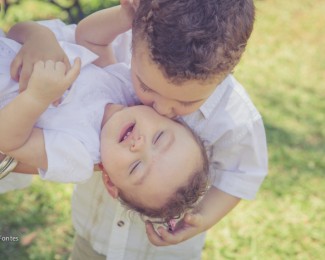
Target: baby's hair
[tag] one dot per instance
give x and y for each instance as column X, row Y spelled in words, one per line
column 194, row 39
column 183, row 199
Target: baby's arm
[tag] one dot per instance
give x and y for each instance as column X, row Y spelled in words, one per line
column 97, row 31
column 18, row 137
column 37, row 40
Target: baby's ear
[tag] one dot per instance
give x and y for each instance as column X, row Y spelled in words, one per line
column 109, row 185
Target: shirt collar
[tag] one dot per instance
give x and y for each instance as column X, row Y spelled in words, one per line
column 211, row 103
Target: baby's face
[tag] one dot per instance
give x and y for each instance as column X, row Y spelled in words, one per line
column 146, row 155
column 155, row 90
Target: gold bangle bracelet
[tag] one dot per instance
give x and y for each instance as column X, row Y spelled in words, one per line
column 7, row 166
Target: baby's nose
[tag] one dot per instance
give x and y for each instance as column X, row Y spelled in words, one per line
column 137, row 143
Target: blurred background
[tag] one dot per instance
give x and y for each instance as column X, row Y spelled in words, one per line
column 283, row 70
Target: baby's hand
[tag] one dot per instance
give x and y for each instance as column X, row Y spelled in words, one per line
column 49, row 80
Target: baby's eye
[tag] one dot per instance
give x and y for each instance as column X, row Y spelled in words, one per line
column 134, row 167
column 157, row 137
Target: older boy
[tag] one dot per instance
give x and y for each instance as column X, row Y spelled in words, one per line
column 183, row 52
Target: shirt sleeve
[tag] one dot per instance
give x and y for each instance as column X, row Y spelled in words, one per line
column 240, row 160
column 68, row 159
column 62, row 31
column 122, row 47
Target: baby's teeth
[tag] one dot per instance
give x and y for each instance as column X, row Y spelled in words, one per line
column 126, row 136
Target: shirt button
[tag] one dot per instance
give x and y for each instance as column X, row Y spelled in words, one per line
column 120, row 223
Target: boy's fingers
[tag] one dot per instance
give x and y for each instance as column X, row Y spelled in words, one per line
column 24, row 77
column 170, row 238
column 153, row 237
column 192, row 219
column 136, row 4
column 15, row 67
column 57, row 102
column 74, row 71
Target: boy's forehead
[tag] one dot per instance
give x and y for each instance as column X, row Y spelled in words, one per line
column 141, row 56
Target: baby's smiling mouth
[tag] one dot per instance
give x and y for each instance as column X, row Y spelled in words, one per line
column 126, row 132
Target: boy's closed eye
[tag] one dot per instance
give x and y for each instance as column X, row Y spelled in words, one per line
column 188, row 104
column 144, row 88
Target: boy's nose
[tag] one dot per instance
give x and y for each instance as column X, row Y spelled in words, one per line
column 137, row 143
column 164, row 108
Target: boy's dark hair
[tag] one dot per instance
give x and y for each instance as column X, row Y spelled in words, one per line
column 183, row 199
column 194, row 39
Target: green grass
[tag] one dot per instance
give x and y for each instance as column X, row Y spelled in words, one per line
column 283, row 70
column 40, row 217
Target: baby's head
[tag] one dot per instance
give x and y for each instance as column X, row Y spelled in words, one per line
column 186, row 44
column 155, row 165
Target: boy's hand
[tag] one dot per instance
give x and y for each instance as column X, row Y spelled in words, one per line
column 49, row 80
column 129, row 8
column 203, row 217
column 189, row 226
column 39, row 46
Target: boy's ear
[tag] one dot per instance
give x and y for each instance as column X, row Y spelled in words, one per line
column 109, row 185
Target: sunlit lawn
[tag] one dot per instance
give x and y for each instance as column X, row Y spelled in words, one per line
column 284, row 72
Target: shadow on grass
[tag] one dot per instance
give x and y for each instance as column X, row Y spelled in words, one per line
column 294, row 161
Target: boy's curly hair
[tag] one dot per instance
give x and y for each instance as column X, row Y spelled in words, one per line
column 183, row 199
column 194, row 39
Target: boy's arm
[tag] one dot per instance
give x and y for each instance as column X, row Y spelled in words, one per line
column 97, row 31
column 17, row 135
column 206, row 216
column 37, row 40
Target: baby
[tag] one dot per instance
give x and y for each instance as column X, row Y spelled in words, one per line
column 141, row 153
